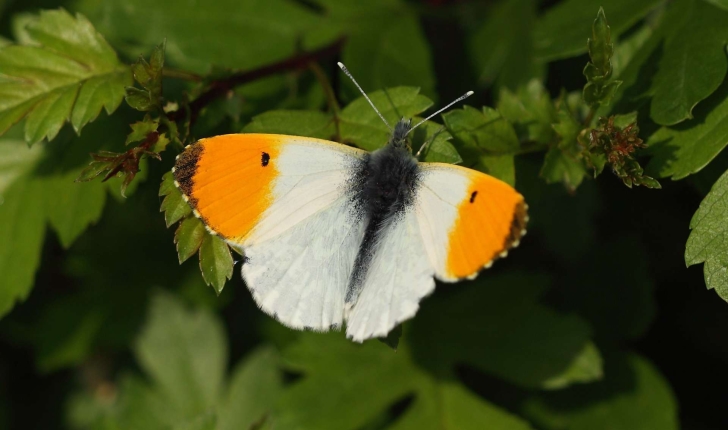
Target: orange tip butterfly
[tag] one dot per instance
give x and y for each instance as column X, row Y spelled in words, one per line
column 334, row 234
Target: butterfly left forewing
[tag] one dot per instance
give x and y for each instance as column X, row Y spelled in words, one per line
column 285, row 201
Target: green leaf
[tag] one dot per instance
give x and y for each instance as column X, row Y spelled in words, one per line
column 553, row 350
column 531, row 112
column 216, row 262
column 221, row 35
column 185, row 353
column 561, row 31
column 64, row 71
column 561, row 167
column 348, row 372
column 633, row 396
column 71, row 207
column 706, row 243
column 140, row 130
column 440, row 150
column 149, row 76
column 37, row 186
column 362, row 126
column 189, row 237
column 449, row 405
column 698, row 37
column 254, row 387
column 173, row 205
column 502, row 47
column 485, row 139
column 681, row 151
column 22, row 222
column 297, row 123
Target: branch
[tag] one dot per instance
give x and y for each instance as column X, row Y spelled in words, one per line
column 221, row 87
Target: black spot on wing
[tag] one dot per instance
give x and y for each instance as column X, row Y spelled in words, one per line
column 265, row 159
column 472, row 196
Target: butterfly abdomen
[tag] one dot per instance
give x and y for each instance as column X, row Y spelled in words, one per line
column 385, row 187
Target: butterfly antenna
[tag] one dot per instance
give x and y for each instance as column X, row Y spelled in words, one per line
column 459, row 99
column 345, row 70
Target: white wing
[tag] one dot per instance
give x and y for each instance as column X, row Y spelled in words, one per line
column 399, row 276
column 300, row 255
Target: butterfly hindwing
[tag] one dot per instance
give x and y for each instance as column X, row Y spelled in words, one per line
column 285, row 202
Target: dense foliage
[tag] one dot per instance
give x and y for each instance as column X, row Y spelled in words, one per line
column 609, row 116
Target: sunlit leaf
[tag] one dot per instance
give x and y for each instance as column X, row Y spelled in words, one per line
column 698, row 37
column 64, row 71
column 216, row 262
column 706, row 243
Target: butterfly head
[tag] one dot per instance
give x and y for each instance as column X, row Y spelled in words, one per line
column 399, row 134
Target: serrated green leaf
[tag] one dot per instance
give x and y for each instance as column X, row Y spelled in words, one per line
column 138, row 99
column 185, row 353
column 633, row 396
column 167, row 186
column 189, row 237
column 530, row 110
column 275, row 25
column 502, row 46
column 706, row 243
column 216, row 262
column 561, row 167
column 254, row 387
column 174, row 207
column 440, row 150
column 64, row 71
column 485, row 139
column 508, row 323
column 140, row 130
column 297, row 123
column 681, row 151
column 698, row 37
column 562, row 30
column 362, row 126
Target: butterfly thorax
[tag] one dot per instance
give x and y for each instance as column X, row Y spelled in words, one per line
column 385, row 188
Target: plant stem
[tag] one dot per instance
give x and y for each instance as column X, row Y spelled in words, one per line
column 181, row 74
column 220, row 87
column 329, row 92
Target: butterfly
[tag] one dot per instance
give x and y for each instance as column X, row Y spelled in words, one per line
column 332, row 234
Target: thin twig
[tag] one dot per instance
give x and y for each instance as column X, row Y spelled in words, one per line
column 181, row 74
column 221, row 87
column 330, row 95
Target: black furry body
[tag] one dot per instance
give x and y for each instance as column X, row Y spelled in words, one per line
column 384, row 186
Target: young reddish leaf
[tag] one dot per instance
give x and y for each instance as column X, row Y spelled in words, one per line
column 140, row 130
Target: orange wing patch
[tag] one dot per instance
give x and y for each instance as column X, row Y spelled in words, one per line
column 228, row 180
column 490, row 221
